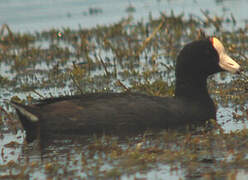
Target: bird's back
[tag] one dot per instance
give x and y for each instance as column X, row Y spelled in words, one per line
column 113, row 112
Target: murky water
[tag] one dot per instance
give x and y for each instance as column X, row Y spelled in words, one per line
column 30, row 16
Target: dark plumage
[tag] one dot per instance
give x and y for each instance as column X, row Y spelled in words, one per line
column 123, row 113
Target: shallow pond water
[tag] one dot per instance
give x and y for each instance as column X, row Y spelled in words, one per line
column 39, row 15
column 73, row 60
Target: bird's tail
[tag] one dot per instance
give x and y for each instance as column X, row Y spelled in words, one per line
column 29, row 120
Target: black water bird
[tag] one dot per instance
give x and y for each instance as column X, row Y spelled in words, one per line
column 124, row 113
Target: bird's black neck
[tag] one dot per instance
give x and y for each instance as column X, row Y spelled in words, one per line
column 191, row 87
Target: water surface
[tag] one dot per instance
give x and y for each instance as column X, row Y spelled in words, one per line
column 30, row 16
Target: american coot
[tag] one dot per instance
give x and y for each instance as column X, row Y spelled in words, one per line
column 120, row 113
